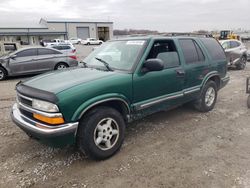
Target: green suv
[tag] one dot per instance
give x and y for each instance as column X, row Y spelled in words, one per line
column 121, row 81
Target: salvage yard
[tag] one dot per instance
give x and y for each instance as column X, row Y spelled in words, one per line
column 178, row 148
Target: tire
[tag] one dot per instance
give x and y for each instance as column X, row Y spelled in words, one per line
column 100, row 43
column 242, row 64
column 208, row 97
column 3, row 73
column 61, row 66
column 248, row 101
column 88, row 43
column 101, row 133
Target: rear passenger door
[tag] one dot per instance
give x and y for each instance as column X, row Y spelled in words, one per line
column 196, row 65
column 47, row 59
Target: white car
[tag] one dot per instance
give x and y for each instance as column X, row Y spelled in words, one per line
column 56, row 42
column 75, row 40
column 90, row 41
column 65, row 48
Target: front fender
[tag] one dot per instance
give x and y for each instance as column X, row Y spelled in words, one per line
column 84, row 107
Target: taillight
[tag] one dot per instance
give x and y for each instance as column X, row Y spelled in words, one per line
column 73, row 57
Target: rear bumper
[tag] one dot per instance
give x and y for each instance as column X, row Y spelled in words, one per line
column 224, row 81
column 61, row 134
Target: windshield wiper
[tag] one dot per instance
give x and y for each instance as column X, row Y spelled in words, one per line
column 105, row 63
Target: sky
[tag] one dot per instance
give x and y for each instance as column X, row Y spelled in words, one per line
column 160, row 15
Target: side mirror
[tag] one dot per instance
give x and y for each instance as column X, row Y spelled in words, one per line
column 13, row 56
column 151, row 65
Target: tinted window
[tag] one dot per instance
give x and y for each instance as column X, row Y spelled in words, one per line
column 65, row 47
column 10, row 47
column 166, row 51
column 214, row 48
column 191, row 51
column 57, row 47
column 234, row 44
column 47, row 52
column 25, row 53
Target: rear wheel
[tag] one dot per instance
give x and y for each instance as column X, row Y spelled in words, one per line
column 208, row 97
column 242, row 64
column 61, row 66
column 3, row 73
column 101, row 133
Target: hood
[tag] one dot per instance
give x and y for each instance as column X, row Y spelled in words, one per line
column 58, row 81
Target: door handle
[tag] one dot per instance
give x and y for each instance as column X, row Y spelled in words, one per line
column 180, row 72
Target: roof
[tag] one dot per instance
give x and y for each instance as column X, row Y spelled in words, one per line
column 22, row 25
column 148, row 37
column 72, row 20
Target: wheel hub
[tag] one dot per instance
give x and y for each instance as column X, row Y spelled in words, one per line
column 106, row 133
column 1, row 74
column 210, row 96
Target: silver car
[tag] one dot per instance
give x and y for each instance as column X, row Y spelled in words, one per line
column 34, row 60
column 236, row 53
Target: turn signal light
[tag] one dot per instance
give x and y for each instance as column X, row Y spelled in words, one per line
column 49, row 120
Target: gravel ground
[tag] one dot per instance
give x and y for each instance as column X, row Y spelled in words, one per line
column 178, row 148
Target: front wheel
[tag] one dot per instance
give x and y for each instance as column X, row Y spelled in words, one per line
column 101, row 133
column 208, row 97
column 242, row 64
column 3, row 73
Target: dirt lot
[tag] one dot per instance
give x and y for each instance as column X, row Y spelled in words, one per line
column 179, row 148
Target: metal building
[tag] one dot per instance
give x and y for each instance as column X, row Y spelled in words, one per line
column 51, row 29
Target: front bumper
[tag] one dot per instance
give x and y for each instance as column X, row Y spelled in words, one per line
column 61, row 134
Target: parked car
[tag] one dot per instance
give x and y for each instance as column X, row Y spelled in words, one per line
column 65, row 48
column 75, row 40
column 236, row 53
column 56, row 42
column 122, row 81
column 8, row 47
column 93, row 41
column 34, row 60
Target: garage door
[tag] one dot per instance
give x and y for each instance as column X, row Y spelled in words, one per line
column 82, row 32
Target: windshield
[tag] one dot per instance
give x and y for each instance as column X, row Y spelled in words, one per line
column 120, row 55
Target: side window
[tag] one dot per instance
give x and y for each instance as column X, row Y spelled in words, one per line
column 47, row 52
column 234, row 44
column 226, row 45
column 26, row 53
column 214, row 49
column 65, row 47
column 191, row 51
column 166, row 51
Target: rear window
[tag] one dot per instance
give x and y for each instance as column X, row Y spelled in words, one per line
column 47, row 52
column 214, row 48
column 10, row 47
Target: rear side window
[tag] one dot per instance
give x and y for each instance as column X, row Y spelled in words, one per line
column 65, row 47
column 234, row 44
column 26, row 53
column 214, row 48
column 191, row 51
column 47, row 52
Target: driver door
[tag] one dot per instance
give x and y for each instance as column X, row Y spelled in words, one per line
column 154, row 91
column 23, row 62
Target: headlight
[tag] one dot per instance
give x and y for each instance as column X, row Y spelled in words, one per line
column 44, row 106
